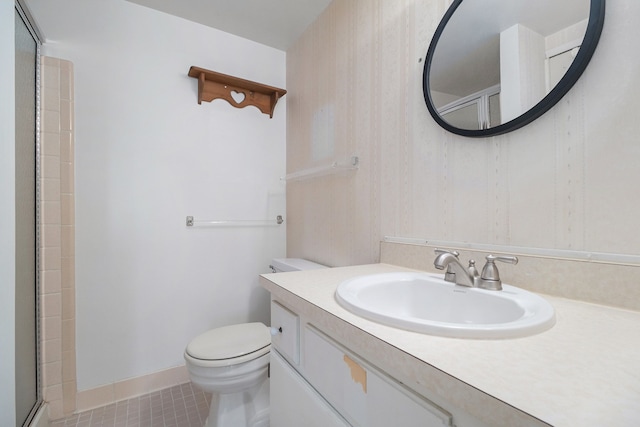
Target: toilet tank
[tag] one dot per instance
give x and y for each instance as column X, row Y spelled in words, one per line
column 293, row 264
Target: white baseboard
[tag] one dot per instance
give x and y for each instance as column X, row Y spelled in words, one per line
column 129, row 388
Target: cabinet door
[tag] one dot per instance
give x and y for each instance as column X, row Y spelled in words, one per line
column 294, row 402
column 364, row 395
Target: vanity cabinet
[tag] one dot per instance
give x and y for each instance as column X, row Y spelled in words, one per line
column 317, row 381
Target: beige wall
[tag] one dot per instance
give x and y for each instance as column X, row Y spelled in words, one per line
column 354, row 81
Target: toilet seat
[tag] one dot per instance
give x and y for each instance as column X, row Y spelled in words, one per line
column 229, row 345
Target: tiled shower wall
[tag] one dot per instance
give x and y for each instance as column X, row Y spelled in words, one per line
column 57, row 231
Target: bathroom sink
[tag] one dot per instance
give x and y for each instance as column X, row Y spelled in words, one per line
column 426, row 303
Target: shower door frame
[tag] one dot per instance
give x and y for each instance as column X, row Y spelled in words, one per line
column 28, row 21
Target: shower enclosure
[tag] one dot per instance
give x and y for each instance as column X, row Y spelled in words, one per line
column 28, row 396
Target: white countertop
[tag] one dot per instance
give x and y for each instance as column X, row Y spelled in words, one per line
column 585, row 371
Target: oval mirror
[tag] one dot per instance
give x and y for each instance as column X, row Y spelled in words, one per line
column 494, row 66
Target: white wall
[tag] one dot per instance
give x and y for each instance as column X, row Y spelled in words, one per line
column 7, row 215
column 147, row 155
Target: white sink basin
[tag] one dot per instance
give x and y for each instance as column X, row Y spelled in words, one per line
column 425, row 303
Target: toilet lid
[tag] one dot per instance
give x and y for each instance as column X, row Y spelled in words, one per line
column 230, row 342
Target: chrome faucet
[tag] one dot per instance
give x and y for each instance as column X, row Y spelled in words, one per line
column 458, row 274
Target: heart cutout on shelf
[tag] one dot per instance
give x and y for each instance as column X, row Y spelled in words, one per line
column 238, row 97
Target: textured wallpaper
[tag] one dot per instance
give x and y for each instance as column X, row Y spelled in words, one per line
column 354, row 80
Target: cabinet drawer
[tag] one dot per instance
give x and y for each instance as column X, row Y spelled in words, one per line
column 361, row 393
column 286, row 332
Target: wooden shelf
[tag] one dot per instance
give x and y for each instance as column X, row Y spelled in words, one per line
column 237, row 92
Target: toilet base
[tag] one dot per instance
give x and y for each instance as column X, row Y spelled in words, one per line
column 248, row 408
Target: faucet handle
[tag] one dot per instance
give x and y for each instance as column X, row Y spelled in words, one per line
column 490, row 277
column 504, row 258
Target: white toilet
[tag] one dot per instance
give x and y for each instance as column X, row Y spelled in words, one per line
column 232, row 363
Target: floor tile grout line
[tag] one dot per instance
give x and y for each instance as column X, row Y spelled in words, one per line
column 156, row 409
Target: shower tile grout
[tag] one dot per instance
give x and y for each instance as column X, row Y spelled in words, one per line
column 182, row 405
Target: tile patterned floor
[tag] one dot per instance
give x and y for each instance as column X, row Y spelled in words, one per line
column 179, row 406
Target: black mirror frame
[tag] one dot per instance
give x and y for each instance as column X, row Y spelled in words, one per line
column 579, row 64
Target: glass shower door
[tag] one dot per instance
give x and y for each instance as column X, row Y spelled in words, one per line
column 26, row 57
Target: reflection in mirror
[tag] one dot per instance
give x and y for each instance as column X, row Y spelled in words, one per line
column 492, row 61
